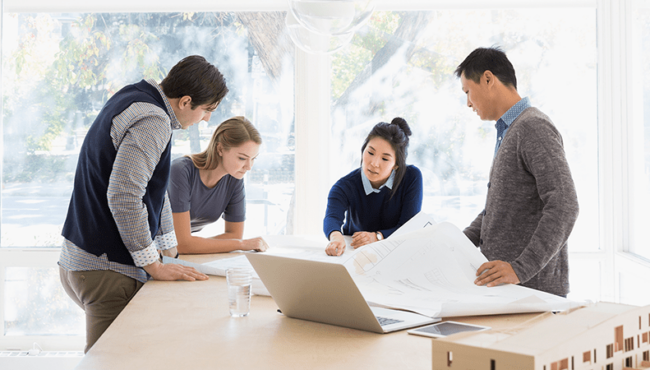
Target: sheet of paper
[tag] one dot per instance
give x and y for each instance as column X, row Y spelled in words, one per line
column 219, row 267
column 417, row 222
column 423, row 267
column 311, row 248
column 432, row 271
column 208, row 270
column 306, row 247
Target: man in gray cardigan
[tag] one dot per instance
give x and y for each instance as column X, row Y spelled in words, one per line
column 531, row 202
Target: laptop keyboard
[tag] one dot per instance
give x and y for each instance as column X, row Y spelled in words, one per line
column 383, row 321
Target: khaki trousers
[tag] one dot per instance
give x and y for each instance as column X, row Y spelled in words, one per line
column 101, row 294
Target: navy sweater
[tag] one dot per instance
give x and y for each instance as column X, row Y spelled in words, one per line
column 374, row 212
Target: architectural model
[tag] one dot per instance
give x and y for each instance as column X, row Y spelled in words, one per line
column 602, row 336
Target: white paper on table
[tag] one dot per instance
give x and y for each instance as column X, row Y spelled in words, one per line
column 205, row 269
column 417, row 222
column 219, row 267
column 426, row 268
column 304, row 247
column 433, row 270
column 224, row 264
column 308, row 248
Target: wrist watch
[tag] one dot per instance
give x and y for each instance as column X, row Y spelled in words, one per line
column 379, row 236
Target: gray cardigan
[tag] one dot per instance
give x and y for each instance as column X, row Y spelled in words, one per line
column 531, row 205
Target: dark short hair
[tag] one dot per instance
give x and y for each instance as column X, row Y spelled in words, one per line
column 491, row 59
column 397, row 133
column 195, row 77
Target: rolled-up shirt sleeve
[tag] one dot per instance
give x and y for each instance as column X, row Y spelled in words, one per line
column 139, row 148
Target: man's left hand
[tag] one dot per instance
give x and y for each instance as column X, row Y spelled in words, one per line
column 495, row 273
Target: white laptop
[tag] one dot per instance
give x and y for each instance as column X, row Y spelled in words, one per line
column 325, row 292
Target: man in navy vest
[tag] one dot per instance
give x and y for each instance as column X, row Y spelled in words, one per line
column 119, row 220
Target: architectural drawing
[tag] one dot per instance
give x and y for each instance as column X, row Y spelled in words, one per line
column 432, row 270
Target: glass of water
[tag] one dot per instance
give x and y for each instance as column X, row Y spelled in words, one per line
column 239, row 290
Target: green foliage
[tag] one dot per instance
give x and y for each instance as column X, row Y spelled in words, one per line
column 380, row 26
column 77, row 63
column 346, row 65
column 68, row 80
column 32, row 167
column 63, row 69
column 138, row 54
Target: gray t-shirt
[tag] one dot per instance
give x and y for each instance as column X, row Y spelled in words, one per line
column 188, row 193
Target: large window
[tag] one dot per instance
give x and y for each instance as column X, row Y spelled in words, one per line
column 59, row 70
column 640, row 135
column 402, row 64
column 583, row 62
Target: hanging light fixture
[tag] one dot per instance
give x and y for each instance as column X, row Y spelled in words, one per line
column 313, row 42
column 324, row 26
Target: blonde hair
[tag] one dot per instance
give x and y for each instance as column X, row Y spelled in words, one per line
column 230, row 133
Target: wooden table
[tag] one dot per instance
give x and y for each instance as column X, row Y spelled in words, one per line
column 186, row 325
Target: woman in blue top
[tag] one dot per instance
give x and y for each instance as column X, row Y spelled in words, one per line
column 378, row 198
column 207, row 185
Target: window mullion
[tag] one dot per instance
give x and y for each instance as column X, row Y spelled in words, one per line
column 312, row 140
column 612, row 95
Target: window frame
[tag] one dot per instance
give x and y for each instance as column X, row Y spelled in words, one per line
column 312, row 125
column 32, row 257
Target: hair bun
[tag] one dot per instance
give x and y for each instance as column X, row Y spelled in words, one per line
column 401, row 122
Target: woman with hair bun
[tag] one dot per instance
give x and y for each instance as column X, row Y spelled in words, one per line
column 207, row 185
column 373, row 201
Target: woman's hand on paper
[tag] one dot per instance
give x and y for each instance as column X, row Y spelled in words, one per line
column 336, row 246
column 361, row 238
column 495, row 273
column 256, row 244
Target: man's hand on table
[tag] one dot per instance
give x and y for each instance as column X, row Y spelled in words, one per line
column 170, row 272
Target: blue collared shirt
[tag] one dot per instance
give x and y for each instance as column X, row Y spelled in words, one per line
column 503, row 124
column 367, row 186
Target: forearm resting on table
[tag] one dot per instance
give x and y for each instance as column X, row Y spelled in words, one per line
column 230, row 240
column 336, row 236
column 217, row 244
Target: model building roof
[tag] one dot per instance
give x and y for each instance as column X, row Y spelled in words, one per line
column 538, row 336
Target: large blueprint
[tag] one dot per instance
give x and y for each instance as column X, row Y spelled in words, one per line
column 423, row 267
column 432, row 271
